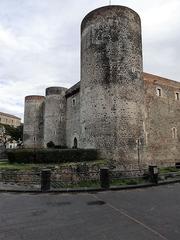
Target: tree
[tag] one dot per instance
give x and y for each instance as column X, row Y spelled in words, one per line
column 3, row 136
column 14, row 133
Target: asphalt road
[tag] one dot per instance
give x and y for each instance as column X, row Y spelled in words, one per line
column 144, row 214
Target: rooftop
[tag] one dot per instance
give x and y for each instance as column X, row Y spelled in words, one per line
column 151, row 78
column 9, row 115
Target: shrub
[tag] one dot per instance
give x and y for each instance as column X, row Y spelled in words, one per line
column 51, row 155
column 50, row 144
column 60, row 147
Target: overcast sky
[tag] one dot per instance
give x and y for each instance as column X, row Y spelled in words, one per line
column 40, row 43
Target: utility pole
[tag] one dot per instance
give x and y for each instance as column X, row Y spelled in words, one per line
column 109, row 2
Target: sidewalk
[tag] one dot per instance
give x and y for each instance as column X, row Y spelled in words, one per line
column 14, row 187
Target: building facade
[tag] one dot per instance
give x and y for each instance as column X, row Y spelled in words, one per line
column 130, row 117
column 9, row 119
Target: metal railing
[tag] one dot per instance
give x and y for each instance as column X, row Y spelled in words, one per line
column 75, row 179
column 78, row 178
column 128, row 177
column 169, row 175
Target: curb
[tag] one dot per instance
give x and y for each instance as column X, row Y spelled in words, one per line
column 91, row 190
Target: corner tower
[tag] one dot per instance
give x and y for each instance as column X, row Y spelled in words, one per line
column 33, row 121
column 112, row 90
column 55, row 116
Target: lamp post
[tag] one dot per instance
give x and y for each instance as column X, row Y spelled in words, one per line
column 34, row 141
column 139, row 144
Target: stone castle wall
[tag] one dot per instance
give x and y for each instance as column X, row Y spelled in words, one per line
column 112, row 91
column 33, row 136
column 73, row 116
column 162, row 119
column 131, row 117
column 55, row 116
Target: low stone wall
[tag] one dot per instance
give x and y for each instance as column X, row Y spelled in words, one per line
column 68, row 174
column 20, row 177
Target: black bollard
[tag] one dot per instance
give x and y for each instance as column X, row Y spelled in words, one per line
column 154, row 172
column 104, row 178
column 45, row 180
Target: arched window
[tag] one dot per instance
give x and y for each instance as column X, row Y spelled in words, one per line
column 75, row 143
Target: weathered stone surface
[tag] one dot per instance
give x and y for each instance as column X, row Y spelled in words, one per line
column 33, row 122
column 115, row 107
column 55, row 116
column 112, row 90
column 72, row 116
column 162, row 116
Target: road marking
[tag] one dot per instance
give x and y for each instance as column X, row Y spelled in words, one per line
column 121, row 211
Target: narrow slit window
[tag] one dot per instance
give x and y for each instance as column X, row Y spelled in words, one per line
column 73, row 102
column 177, row 96
column 159, row 92
column 174, row 133
column 133, row 69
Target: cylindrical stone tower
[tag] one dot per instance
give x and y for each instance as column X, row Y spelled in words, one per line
column 55, row 116
column 112, row 90
column 33, row 121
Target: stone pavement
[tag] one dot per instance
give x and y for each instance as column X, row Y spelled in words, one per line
column 19, row 187
column 140, row 214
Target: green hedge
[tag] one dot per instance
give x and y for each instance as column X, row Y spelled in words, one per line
column 51, row 155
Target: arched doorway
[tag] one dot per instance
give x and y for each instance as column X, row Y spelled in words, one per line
column 75, row 143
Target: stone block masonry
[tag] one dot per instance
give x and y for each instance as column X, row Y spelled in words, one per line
column 130, row 117
column 111, row 83
column 33, row 136
column 55, row 116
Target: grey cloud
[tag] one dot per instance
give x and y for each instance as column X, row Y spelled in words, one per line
column 40, row 43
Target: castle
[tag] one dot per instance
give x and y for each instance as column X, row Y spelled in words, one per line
column 129, row 116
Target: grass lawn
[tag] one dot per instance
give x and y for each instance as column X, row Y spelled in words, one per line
column 81, row 184
column 38, row 167
column 168, row 169
column 130, row 181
